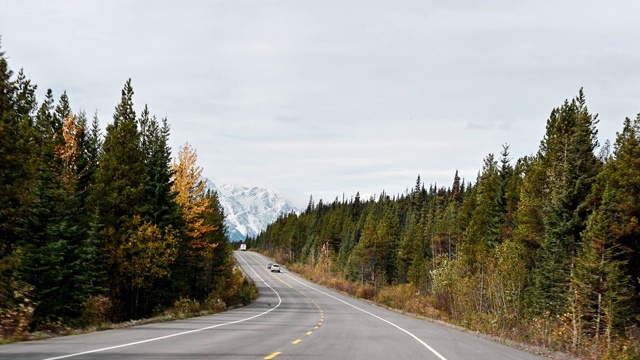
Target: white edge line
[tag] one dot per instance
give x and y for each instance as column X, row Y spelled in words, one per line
column 181, row 333
column 374, row 315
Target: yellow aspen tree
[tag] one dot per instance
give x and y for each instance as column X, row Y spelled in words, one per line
column 149, row 253
column 67, row 151
column 191, row 190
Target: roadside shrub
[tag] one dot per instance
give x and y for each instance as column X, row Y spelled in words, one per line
column 96, row 311
column 15, row 320
column 184, row 307
column 397, row 296
column 366, row 291
column 239, row 290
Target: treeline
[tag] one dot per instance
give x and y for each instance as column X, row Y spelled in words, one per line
column 547, row 244
column 100, row 228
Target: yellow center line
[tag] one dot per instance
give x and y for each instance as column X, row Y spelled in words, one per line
column 272, row 355
column 320, row 323
column 316, row 328
column 297, row 341
column 309, row 333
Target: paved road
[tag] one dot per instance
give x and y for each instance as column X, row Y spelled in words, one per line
column 293, row 318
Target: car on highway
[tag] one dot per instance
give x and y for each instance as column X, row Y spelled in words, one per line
column 275, row 268
column 269, row 265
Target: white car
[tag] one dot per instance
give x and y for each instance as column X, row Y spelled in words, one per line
column 275, row 268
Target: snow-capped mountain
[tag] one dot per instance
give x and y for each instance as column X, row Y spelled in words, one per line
column 248, row 211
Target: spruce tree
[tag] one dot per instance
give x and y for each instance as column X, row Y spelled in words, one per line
column 119, row 194
column 218, row 264
column 571, row 167
column 482, row 233
column 606, row 276
column 17, row 179
column 600, row 286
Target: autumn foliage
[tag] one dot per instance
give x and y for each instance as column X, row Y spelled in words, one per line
column 190, row 187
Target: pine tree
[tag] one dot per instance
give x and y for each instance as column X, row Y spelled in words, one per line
column 482, row 233
column 218, row 264
column 118, row 195
column 50, row 229
column 363, row 262
column 600, row 287
column 17, row 179
column 15, row 158
column 532, row 206
column 387, row 249
column 571, row 167
column 161, row 197
column 608, row 263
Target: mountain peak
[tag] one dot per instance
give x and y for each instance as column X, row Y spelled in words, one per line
column 248, row 211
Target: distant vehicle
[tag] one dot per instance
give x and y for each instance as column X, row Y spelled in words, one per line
column 269, row 265
column 243, row 247
column 275, row 268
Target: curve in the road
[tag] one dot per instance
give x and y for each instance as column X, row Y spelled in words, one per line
column 371, row 314
column 435, row 352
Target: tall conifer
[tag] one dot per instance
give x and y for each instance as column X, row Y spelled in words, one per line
column 571, row 167
column 119, row 195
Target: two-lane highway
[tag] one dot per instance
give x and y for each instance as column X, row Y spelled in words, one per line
column 293, row 318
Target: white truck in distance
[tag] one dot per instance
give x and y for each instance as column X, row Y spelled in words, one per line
column 243, row 247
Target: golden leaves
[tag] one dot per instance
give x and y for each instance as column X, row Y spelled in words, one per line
column 191, row 189
column 148, row 252
column 67, row 151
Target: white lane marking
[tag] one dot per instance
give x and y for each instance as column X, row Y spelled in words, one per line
column 374, row 315
column 180, row 333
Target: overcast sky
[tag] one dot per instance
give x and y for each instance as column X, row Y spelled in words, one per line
column 331, row 97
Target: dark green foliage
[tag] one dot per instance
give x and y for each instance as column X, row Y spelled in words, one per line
column 483, row 231
column 118, row 193
column 17, row 178
column 218, row 265
column 607, row 268
column 567, row 154
column 599, row 282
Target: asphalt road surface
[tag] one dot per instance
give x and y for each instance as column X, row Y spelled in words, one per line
column 292, row 319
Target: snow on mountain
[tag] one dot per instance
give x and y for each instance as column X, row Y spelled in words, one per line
column 248, row 211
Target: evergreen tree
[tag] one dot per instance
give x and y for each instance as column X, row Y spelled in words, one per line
column 600, row 287
column 606, row 271
column 119, row 194
column 482, row 233
column 571, row 167
column 17, row 178
column 218, row 263
column 532, row 206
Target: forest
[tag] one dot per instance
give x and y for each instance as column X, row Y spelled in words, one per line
column 541, row 249
column 98, row 228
